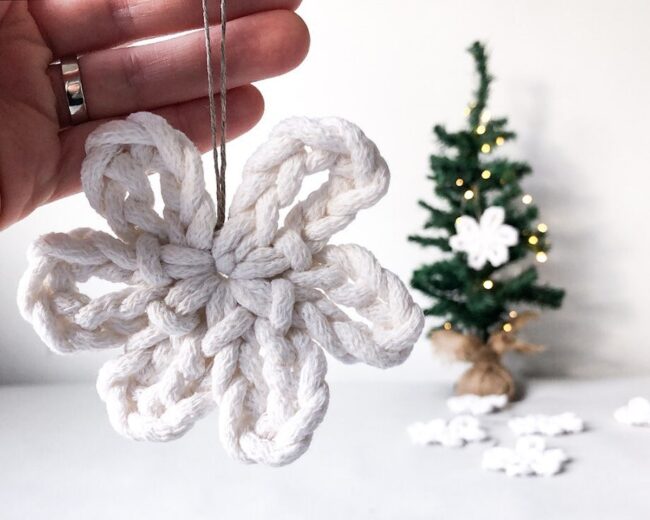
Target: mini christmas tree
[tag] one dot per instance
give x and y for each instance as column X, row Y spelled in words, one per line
column 489, row 227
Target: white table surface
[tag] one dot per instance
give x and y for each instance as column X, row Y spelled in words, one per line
column 59, row 458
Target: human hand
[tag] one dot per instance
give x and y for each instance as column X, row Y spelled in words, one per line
column 40, row 154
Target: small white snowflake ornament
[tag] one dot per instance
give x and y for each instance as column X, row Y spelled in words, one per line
column 454, row 433
column 549, row 425
column 484, row 241
column 477, row 404
column 529, row 457
column 635, row 413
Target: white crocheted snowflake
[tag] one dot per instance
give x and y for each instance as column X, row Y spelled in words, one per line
column 529, row 457
column 635, row 413
column 454, row 433
column 477, row 404
column 550, row 425
column 484, row 241
column 239, row 317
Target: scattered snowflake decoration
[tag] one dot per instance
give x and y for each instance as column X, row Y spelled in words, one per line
column 549, row 425
column 529, row 457
column 635, row 413
column 484, row 241
column 454, row 433
column 477, row 404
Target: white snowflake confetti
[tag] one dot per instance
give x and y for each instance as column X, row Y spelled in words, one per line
column 549, row 425
column 454, row 433
column 477, row 404
column 530, row 457
column 635, row 413
column 484, row 241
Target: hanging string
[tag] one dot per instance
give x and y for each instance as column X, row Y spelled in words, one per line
column 218, row 155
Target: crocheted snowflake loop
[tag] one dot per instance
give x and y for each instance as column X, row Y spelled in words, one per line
column 238, row 317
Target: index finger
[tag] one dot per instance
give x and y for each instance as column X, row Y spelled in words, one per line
column 74, row 27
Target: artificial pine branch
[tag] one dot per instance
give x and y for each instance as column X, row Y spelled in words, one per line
column 467, row 179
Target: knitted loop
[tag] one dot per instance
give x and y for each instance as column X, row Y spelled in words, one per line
column 239, row 318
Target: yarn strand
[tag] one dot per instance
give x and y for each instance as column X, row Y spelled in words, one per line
column 218, row 154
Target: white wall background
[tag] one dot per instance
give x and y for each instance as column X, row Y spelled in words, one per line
column 573, row 78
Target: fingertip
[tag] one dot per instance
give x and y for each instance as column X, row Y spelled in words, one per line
column 306, row 36
column 297, row 34
column 247, row 105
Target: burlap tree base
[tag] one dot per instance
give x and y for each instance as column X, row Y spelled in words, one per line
column 487, row 375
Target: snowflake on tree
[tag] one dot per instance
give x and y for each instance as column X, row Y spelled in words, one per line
column 485, row 222
column 484, row 241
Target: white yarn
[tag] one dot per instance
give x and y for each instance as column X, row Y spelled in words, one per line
column 236, row 318
column 635, row 413
column 477, row 404
column 549, row 425
column 454, row 433
column 529, row 457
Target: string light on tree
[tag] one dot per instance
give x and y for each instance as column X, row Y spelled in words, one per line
column 447, row 326
column 488, row 284
column 500, row 141
column 541, row 257
column 507, row 327
column 459, row 182
column 527, row 199
column 469, row 195
column 486, row 174
column 513, row 314
column 485, row 148
column 533, row 240
column 480, row 129
column 542, row 228
column 485, row 116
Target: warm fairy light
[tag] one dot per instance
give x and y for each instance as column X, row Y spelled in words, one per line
column 485, row 148
column 533, row 240
column 527, row 199
column 457, row 220
column 480, row 129
column 459, row 182
column 447, row 325
column 485, row 116
column 499, row 140
column 488, row 284
column 541, row 257
column 542, row 228
column 512, row 314
column 507, row 327
column 467, row 111
column 469, row 195
column 486, row 174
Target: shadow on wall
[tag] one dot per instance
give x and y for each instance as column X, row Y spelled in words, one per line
column 592, row 304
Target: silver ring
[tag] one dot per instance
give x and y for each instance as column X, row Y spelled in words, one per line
column 74, row 91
